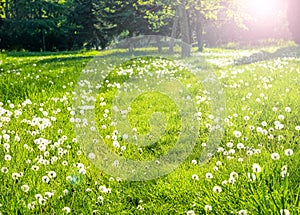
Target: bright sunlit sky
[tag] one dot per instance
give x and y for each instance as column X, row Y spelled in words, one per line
column 264, row 9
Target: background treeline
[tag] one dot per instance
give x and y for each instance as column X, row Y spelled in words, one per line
column 52, row 25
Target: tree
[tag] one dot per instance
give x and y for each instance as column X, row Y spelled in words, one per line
column 199, row 14
column 35, row 25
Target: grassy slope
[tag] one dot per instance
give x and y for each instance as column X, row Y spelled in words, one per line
column 48, row 81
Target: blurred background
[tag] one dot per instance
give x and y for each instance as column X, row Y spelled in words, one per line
column 57, row 25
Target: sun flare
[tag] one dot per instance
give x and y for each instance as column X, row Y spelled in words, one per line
column 263, row 9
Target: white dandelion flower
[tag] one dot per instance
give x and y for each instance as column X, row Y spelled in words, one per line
column 66, row 210
column 45, row 179
column 4, row 170
column 288, row 109
column 284, row 212
column 217, row 189
column 234, row 175
column 237, row 134
column 242, row 212
column 194, row 162
column 35, row 168
column 231, row 180
column 52, row 174
column 209, row 175
column 15, row 175
column 195, row 177
column 275, row 156
column 256, row 167
column 208, row 207
column 7, row 157
column 288, row 152
column 25, row 188
column 190, row 212
column 42, row 201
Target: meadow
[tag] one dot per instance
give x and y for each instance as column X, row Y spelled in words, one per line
column 246, row 120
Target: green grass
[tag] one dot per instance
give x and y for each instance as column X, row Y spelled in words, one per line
column 36, row 101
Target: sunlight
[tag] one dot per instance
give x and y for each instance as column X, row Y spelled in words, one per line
column 263, row 9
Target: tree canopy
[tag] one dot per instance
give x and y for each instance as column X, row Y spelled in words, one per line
column 51, row 25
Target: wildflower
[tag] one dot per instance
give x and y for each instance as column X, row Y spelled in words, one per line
column 275, row 156
column 91, row 156
column 66, row 210
column 288, row 109
column 288, row 152
column 25, row 188
column 103, row 189
column 31, row 206
column 208, row 207
column 229, row 144
column 52, row 174
column 35, row 168
column 209, row 175
column 190, row 212
column 194, row 162
column 224, row 182
column 7, row 157
column 219, row 163
column 15, row 175
column 38, row 196
column 48, row 195
column 246, row 118
column 284, row 212
column 240, row 146
column 195, row 177
column 231, row 180
column 256, row 167
column 4, row 170
column 42, row 201
column 231, row 151
column 234, row 175
column 284, row 174
column 264, row 123
column 240, row 160
column 45, row 179
column 100, row 199
column 82, row 171
column 242, row 212
column 237, row 134
column 140, row 208
column 65, row 192
column 217, row 189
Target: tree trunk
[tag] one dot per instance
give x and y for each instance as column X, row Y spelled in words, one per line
column 174, row 31
column 199, row 30
column 97, row 42
column 159, row 45
column 185, row 31
column 43, row 40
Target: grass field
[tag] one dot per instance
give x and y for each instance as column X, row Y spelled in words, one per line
column 44, row 167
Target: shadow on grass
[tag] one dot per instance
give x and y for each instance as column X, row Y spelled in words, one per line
column 291, row 51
